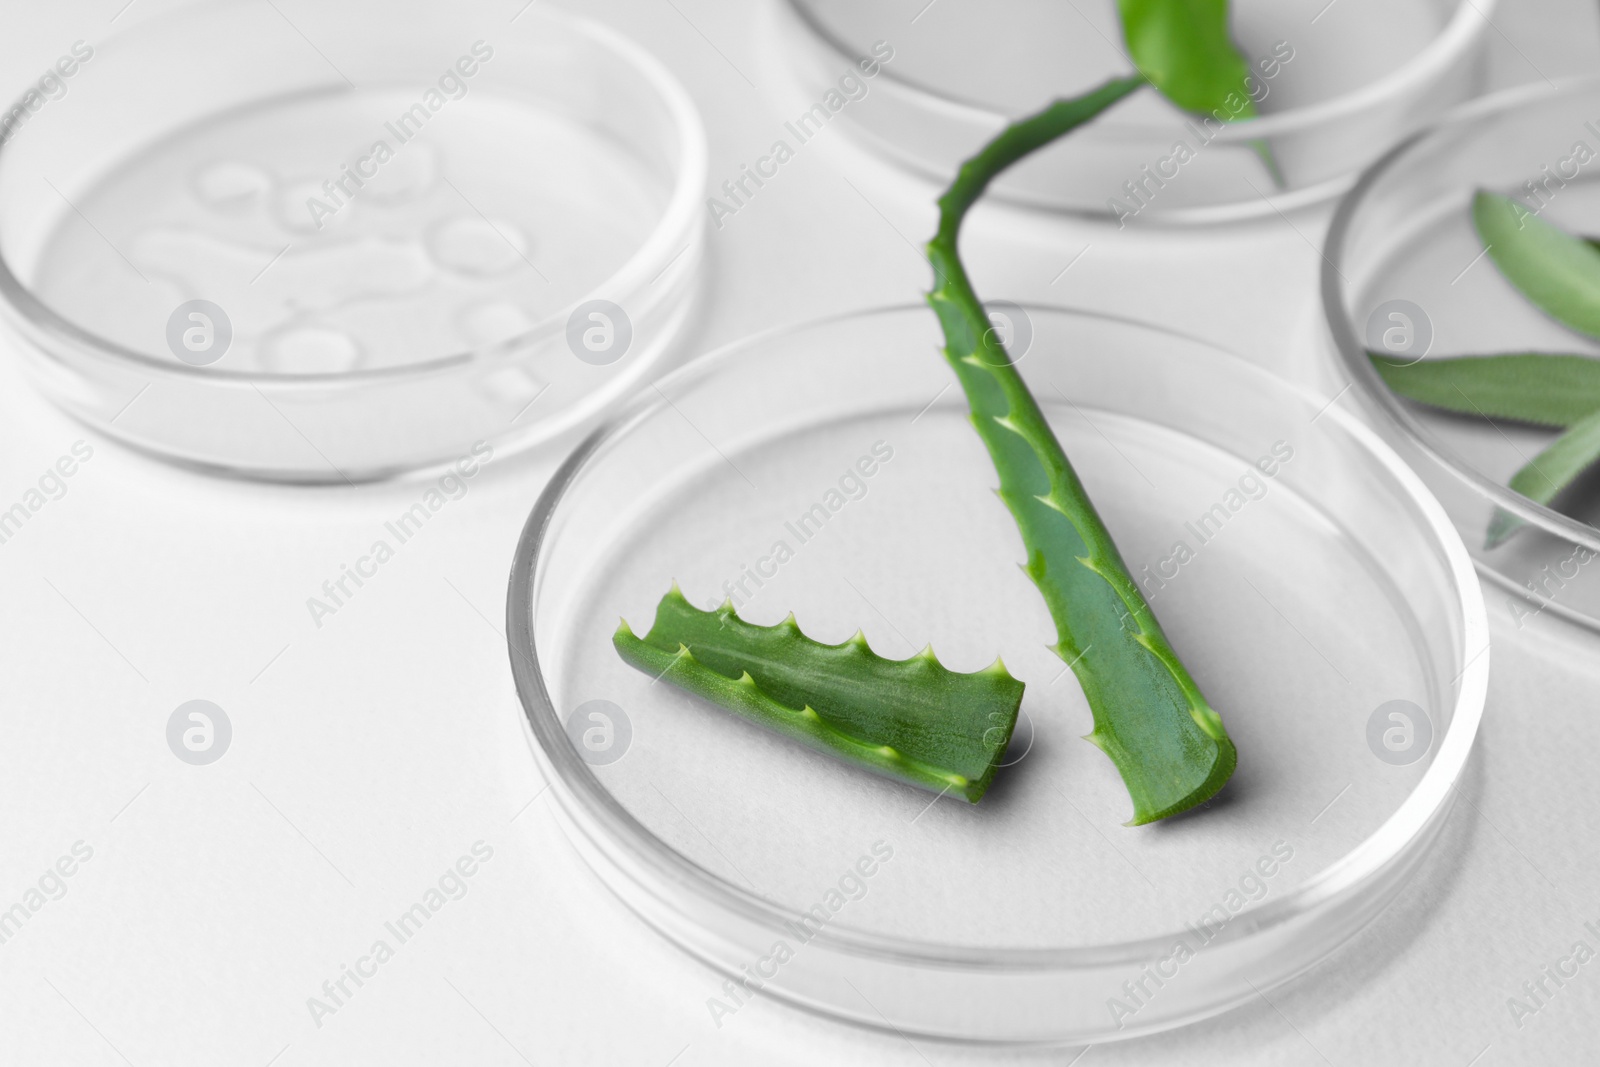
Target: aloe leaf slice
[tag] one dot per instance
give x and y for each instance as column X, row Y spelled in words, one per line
column 1539, row 388
column 1550, row 472
column 1557, row 272
column 912, row 720
column 1150, row 717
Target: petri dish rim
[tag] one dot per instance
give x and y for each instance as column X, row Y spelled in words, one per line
column 1352, row 353
column 1458, row 35
column 641, row 265
column 1427, row 802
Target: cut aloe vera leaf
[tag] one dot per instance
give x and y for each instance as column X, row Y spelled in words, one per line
column 1150, row 717
column 1550, row 472
column 1539, row 388
column 1557, row 272
column 912, row 720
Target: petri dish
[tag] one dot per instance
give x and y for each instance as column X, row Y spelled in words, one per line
column 1320, row 600
column 331, row 253
column 1334, row 88
column 1404, row 241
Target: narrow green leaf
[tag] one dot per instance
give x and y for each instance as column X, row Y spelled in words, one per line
column 1150, row 717
column 912, row 719
column 1539, row 388
column 1558, row 272
column 1185, row 50
column 1550, row 472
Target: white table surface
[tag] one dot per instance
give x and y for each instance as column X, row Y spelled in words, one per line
column 370, row 753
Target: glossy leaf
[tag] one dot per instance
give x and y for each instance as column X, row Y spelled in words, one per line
column 1150, row 717
column 1184, row 48
column 1558, row 272
column 912, row 719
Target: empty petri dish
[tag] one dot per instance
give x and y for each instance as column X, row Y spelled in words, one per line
column 1333, row 88
column 1319, row 594
column 327, row 254
column 1403, row 242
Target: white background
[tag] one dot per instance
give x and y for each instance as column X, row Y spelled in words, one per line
column 370, row 753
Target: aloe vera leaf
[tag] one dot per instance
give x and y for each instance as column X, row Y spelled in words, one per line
column 1550, row 472
column 1539, row 388
column 1557, row 272
column 913, row 719
column 1150, row 718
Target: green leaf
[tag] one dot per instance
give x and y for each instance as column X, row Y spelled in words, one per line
column 1184, row 49
column 912, row 719
column 1543, row 389
column 1550, row 472
column 1150, row 717
column 1558, row 272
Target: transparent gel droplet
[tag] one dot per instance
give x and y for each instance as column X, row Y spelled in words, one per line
column 488, row 324
column 411, row 174
column 304, row 207
column 232, row 187
column 310, row 350
column 473, row 246
column 407, row 269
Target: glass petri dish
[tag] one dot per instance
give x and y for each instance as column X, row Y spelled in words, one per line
column 331, row 253
column 1404, row 240
column 1313, row 603
column 1335, row 87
